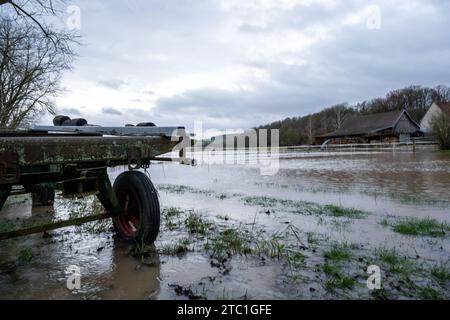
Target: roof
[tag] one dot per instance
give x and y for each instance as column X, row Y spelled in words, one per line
column 444, row 106
column 371, row 123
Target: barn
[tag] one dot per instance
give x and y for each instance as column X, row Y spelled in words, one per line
column 391, row 126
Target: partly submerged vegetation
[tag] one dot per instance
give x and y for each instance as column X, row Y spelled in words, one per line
column 265, row 202
column 417, row 226
column 341, row 273
column 309, row 262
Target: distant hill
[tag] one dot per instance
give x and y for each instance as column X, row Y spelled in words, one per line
column 302, row 130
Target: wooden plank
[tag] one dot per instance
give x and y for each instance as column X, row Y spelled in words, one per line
column 53, row 226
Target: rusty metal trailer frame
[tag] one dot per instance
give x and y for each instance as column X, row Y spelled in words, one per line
column 75, row 160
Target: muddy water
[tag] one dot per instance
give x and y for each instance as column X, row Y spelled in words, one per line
column 383, row 184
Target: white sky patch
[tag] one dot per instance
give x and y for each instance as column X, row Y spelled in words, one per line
column 270, row 5
column 362, row 15
column 231, row 78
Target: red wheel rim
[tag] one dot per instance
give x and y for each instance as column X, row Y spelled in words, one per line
column 128, row 221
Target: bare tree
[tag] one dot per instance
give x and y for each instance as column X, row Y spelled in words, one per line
column 31, row 65
column 341, row 112
column 310, row 130
column 33, row 10
column 440, row 127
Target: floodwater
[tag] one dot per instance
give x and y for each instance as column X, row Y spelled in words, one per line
column 382, row 184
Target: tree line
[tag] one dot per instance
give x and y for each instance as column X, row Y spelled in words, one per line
column 303, row 130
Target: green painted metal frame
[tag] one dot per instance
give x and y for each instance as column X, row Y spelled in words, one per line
column 31, row 158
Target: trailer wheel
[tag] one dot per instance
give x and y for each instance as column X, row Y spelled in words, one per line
column 140, row 217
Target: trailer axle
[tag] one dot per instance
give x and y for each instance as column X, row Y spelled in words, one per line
column 53, row 226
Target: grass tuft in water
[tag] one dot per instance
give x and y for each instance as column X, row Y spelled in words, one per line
column 336, row 211
column 395, row 262
column 441, row 273
column 178, row 247
column 230, row 241
column 428, row 293
column 339, row 252
column 196, row 224
column 419, row 227
column 171, row 212
column 266, row 202
column 336, row 279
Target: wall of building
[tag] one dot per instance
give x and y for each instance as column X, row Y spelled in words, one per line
column 405, row 126
column 425, row 124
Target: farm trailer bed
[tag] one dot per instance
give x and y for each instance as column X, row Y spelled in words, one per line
column 75, row 160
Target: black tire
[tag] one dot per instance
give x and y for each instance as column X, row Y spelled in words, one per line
column 146, row 124
column 58, row 120
column 75, row 122
column 140, row 219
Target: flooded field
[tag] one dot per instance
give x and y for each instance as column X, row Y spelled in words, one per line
column 310, row 231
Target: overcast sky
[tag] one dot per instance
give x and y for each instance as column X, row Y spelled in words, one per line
column 242, row 63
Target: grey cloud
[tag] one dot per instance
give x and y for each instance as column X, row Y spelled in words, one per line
column 247, row 28
column 69, row 112
column 222, row 104
column 138, row 113
column 111, row 111
column 112, row 84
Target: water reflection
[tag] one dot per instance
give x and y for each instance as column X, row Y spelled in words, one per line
column 33, row 267
column 131, row 278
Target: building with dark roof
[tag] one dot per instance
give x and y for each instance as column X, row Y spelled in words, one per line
column 377, row 127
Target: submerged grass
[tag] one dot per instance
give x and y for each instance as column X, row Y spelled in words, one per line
column 336, row 278
column 266, row 202
column 304, row 207
column 441, row 273
column 338, row 252
column 178, row 247
column 171, row 218
column 395, row 262
column 196, row 224
column 429, row 293
column 337, row 258
column 344, row 263
column 336, row 211
column 418, row 226
column 229, row 241
column 171, row 212
column 181, row 189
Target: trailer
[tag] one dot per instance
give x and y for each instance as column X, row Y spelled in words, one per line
column 74, row 159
